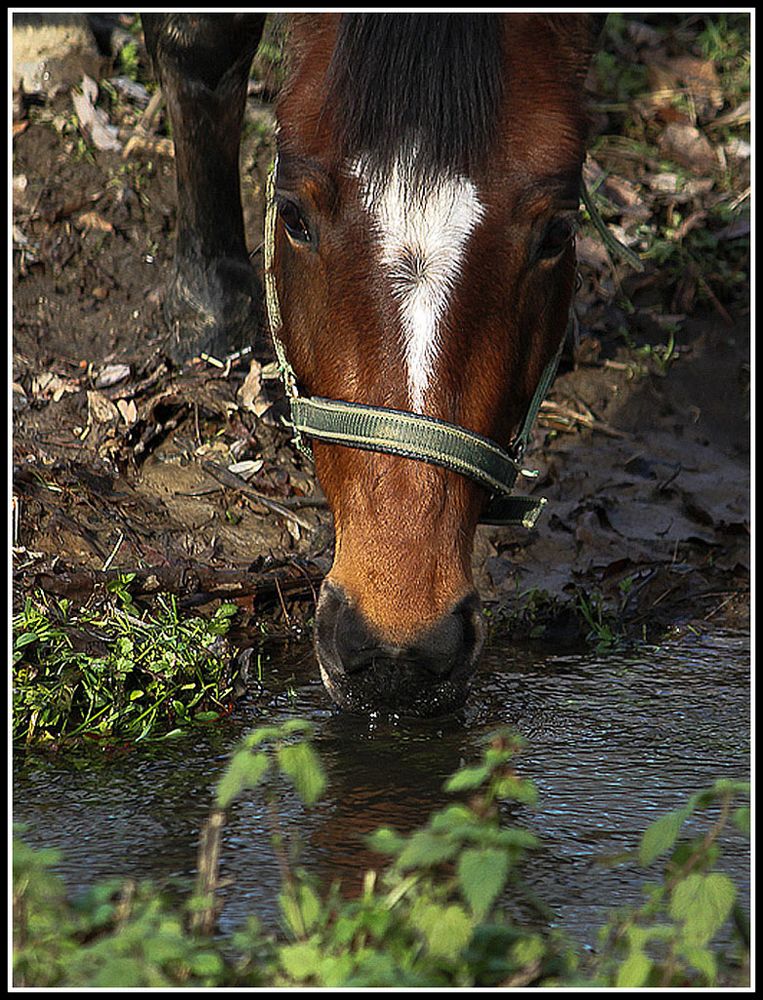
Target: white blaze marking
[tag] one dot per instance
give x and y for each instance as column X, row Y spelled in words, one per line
column 423, row 240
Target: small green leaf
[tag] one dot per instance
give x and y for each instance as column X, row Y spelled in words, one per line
column 226, row 610
column 301, row 960
column 446, row 929
column 207, row 964
column 425, row 848
column 634, row 971
column 261, row 735
column 702, row 959
column 385, row 841
column 292, row 726
column 467, row 779
column 528, row 949
column 741, row 818
column 300, row 908
column 513, row 838
column 244, row 771
column 454, row 818
column 481, row 876
column 24, row 639
column 702, row 903
column 519, row 789
column 722, row 788
column 659, row 837
column 300, row 763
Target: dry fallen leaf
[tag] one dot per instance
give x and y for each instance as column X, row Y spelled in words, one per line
column 100, row 409
column 250, row 395
column 687, row 146
column 701, row 80
column 94, row 121
column 128, row 411
column 246, row 469
column 149, row 144
column 111, row 375
column 50, row 386
column 93, row 220
column 687, row 76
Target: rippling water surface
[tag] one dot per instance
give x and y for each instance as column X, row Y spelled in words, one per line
column 613, row 741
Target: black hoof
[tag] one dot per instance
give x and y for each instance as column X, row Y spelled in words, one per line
column 215, row 310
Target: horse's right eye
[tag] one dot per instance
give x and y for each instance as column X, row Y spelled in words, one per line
column 294, row 222
column 559, row 233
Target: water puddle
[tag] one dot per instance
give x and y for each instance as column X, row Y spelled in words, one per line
column 613, row 741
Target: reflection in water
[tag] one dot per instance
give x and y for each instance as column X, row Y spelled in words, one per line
column 612, row 743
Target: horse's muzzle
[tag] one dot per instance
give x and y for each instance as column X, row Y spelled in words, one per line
column 427, row 677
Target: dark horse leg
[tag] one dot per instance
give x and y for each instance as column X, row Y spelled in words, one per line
column 213, row 302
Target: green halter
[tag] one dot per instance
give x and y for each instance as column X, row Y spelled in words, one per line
column 397, row 432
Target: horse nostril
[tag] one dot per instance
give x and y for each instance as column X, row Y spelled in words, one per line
column 355, row 642
column 453, row 641
column 342, row 631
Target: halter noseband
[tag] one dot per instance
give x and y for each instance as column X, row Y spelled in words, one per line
column 398, row 432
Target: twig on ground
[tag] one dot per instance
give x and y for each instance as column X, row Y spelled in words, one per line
column 234, row 482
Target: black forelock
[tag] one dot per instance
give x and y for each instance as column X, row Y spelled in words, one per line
column 423, row 84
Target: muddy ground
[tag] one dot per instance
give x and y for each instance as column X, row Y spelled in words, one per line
column 123, row 462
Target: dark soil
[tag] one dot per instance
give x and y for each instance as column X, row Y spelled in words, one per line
column 121, row 461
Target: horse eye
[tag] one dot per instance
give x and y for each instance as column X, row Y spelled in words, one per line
column 558, row 234
column 294, row 222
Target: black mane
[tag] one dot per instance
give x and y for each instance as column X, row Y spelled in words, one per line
column 425, row 83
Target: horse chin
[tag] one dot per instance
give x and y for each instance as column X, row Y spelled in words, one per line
column 388, row 687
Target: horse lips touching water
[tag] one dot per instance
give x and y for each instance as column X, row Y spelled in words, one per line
column 426, row 188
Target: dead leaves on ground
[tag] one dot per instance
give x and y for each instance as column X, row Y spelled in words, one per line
column 671, row 158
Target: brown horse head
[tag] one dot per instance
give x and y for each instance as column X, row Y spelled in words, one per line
column 427, row 187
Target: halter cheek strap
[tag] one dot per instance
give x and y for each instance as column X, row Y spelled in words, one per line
column 398, row 432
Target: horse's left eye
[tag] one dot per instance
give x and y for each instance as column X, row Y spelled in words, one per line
column 557, row 236
column 294, row 222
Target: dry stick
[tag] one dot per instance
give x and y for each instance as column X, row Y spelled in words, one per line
column 142, row 128
column 113, row 553
column 524, row 977
column 551, row 411
column 196, row 423
column 663, row 595
column 714, row 299
column 146, row 119
column 306, row 575
column 235, row 482
column 716, row 609
column 123, row 908
column 283, row 606
column 204, row 919
column 177, row 578
column 290, row 503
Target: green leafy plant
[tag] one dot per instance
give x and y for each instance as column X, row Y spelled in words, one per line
column 668, row 941
column 449, row 909
column 129, row 60
column 604, row 631
column 115, row 672
column 118, row 934
column 432, row 917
